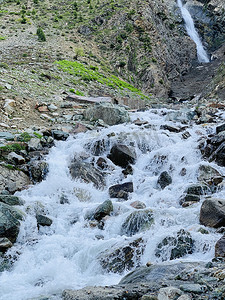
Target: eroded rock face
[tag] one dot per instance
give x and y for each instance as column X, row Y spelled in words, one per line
column 137, row 221
column 87, row 173
column 122, row 155
column 212, row 213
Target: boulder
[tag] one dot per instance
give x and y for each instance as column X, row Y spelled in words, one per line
column 42, row 220
column 60, row 135
column 122, row 155
column 6, row 136
column 34, row 144
column 121, row 190
column 137, row 221
column 175, row 247
column 212, row 213
column 5, row 244
column 109, row 113
column 220, row 128
column 209, row 176
column 164, row 179
column 220, row 248
column 197, row 189
column 169, row 293
column 9, row 224
column 103, row 210
column 87, row 173
column 123, row 258
column 38, row 170
column 189, row 199
column 16, row 158
column 11, row 200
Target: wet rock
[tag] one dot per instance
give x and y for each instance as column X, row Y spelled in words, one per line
column 43, row 220
column 11, row 200
column 99, row 147
column 5, row 244
column 175, row 247
column 212, row 213
column 38, row 170
column 138, row 205
column 82, row 194
column 209, row 176
column 103, row 210
column 164, row 179
column 128, row 171
column 220, row 128
column 193, row 288
column 123, row 258
column 137, row 221
column 122, row 155
column 220, row 248
column 109, row 113
column 170, row 128
column 9, row 224
column 15, row 158
column 189, row 199
column 169, row 293
column 102, row 163
column 121, row 190
column 87, row 173
column 197, row 189
column 60, row 135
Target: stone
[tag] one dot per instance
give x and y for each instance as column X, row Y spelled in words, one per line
column 138, row 205
column 11, row 200
column 193, row 288
column 111, row 114
column 6, row 136
column 184, row 297
column 189, row 199
column 52, row 107
column 102, row 163
column 38, row 170
column 220, row 248
column 121, row 190
column 169, row 293
column 122, row 258
column 122, row 155
column 16, row 158
column 170, row 128
column 212, row 212
column 197, row 189
column 164, row 179
column 209, row 175
column 60, row 135
column 220, row 128
column 88, row 173
column 103, row 210
column 137, row 221
column 5, row 244
column 9, row 224
column 34, row 144
column 43, row 220
column 175, row 247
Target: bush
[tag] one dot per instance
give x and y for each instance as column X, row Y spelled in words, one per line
column 41, row 35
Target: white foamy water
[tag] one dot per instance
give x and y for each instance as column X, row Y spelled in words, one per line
column 192, row 32
column 66, row 254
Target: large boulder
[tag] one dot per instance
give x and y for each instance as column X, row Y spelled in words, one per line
column 164, row 180
column 121, row 190
column 9, row 224
column 212, row 212
column 122, row 155
column 119, row 259
column 137, row 221
column 175, row 247
column 103, row 210
column 11, row 200
column 220, row 247
column 109, row 113
column 87, row 173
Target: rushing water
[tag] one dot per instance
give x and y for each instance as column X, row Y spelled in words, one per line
column 190, row 27
column 65, row 255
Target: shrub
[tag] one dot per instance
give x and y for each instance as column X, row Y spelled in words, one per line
column 41, row 35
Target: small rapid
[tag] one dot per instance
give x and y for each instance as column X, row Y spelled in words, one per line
column 67, row 254
column 192, row 32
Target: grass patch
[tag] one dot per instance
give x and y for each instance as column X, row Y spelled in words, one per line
column 88, row 73
column 13, row 147
column 2, row 38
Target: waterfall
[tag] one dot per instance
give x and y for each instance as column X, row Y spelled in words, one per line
column 190, row 27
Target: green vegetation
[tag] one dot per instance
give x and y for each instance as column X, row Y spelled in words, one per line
column 87, row 74
column 13, row 147
column 38, row 135
column 2, row 38
column 41, row 35
column 24, row 137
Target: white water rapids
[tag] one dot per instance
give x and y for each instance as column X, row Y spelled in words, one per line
column 65, row 255
column 190, row 27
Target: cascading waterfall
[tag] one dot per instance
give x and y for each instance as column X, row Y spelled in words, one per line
column 190, row 27
column 66, row 254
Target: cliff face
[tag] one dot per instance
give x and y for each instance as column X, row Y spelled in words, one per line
column 143, row 42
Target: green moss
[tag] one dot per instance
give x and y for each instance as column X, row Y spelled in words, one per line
column 86, row 73
column 25, row 137
column 38, row 135
column 13, row 147
column 2, row 38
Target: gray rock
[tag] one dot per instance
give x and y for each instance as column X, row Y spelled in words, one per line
column 11, row 200
column 43, row 220
column 184, row 297
column 138, row 205
column 137, row 221
column 103, row 210
column 60, row 135
column 38, row 170
column 123, row 258
column 52, row 107
column 220, row 247
column 121, row 190
column 212, row 213
column 109, row 113
column 16, row 158
column 122, row 155
column 220, row 128
column 209, row 175
column 197, row 189
column 193, row 288
column 164, row 179
column 87, row 173
column 175, row 247
column 188, row 199
column 34, row 144
column 5, row 244
column 6, row 136
column 169, row 293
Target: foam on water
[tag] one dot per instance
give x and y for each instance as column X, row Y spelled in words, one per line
column 66, row 254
